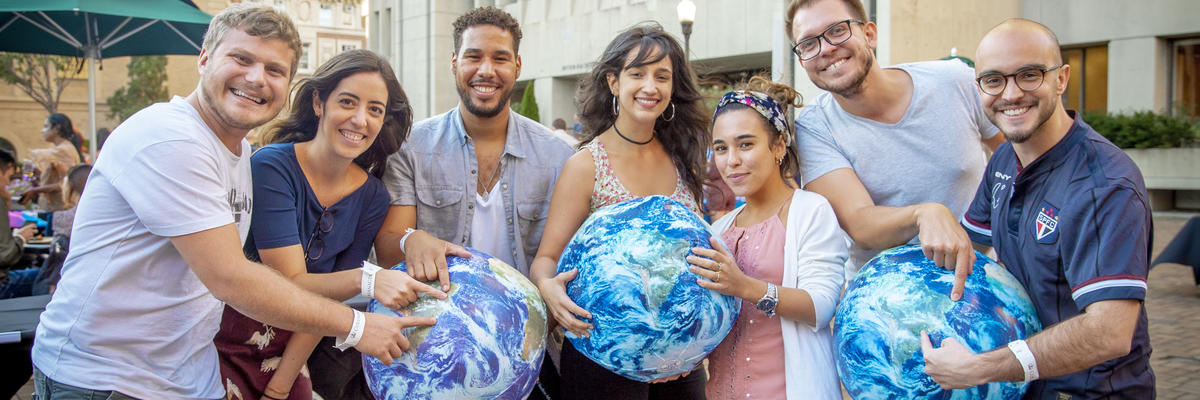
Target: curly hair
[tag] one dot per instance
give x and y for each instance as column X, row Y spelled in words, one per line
column 686, row 136
column 786, row 97
column 300, row 125
column 487, row 16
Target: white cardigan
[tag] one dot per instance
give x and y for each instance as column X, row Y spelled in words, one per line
column 815, row 252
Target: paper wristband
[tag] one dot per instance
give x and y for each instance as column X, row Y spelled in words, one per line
column 404, row 239
column 368, row 279
column 1024, row 356
column 356, row 332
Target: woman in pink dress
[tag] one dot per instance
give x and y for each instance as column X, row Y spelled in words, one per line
column 645, row 133
column 786, row 263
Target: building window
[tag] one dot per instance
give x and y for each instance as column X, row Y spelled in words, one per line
column 281, row 5
column 1087, row 89
column 348, row 47
column 1185, row 77
column 325, row 15
column 304, row 51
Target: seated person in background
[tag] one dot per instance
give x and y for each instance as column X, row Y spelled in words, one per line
column 12, row 241
column 60, row 224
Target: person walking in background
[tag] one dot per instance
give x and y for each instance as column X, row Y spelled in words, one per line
column 642, row 114
column 560, row 131
column 55, row 161
column 896, row 150
column 158, row 236
column 786, row 258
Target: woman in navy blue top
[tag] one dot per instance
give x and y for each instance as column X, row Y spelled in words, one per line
column 318, row 205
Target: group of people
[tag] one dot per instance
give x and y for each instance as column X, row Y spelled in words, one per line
column 199, row 270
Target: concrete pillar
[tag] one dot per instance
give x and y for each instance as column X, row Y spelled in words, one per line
column 555, row 98
column 1137, row 71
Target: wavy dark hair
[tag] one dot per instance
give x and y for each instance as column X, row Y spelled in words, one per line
column 66, row 130
column 300, row 125
column 786, row 97
column 686, row 136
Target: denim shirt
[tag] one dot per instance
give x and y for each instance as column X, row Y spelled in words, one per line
column 436, row 171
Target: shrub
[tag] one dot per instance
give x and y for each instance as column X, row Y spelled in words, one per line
column 1145, row 129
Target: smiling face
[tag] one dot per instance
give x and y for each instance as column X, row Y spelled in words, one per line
column 48, row 131
column 243, row 81
column 352, row 115
column 1020, row 114
column 485, row 69
column 743, row 151
column 643, row 92
column 841, row 68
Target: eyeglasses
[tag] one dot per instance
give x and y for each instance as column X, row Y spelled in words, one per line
column 835, row 34
column 316, row 245
column 1027, row 79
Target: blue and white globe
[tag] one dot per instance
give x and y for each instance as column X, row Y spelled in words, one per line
column 488, row 342
column 899, row 293
column 651, row 319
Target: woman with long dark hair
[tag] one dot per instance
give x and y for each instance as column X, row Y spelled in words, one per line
column 785, row 258
column 318, row 204
column 645, row 132
column 55, row 161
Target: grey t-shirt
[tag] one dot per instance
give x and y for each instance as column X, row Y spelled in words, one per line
column 933, row 154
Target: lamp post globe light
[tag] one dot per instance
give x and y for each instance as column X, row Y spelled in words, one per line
column 687, row 14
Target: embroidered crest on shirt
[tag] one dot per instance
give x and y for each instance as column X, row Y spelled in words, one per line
column 1045, row 225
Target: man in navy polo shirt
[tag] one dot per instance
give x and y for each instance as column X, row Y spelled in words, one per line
column 1067, row 213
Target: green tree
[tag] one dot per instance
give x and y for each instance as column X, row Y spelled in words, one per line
column 42, row 77
column 528, row 105
column 147, row 85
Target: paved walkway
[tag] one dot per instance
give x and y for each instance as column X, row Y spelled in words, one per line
column 1173, row 304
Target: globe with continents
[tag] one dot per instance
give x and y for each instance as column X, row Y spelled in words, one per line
column 651, row 320
column 899, row 293
column 488, row 341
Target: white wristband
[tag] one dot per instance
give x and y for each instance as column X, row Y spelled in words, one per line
column 368, row 278
column 356, row 332
column 404, row 238
column 1024, row 356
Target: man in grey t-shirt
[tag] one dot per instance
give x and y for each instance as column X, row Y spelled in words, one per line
column 896, row 151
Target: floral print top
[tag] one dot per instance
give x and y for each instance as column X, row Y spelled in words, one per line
column 609, row 190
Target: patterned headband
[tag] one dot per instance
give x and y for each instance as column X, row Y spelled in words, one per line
column 763, row 104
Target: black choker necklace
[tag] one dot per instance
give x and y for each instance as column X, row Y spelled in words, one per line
column 627, row 139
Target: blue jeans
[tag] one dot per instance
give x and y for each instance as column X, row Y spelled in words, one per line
column 19, row 284
column 47, row 389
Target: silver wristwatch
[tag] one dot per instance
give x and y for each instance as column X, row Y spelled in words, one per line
column 769, row 301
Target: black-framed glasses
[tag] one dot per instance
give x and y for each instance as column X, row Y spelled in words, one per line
column 316, row 242
column 1028, row 79
column 835, row 34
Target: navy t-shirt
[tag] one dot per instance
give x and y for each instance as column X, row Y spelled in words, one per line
column 1074, row 227
column 286, row 212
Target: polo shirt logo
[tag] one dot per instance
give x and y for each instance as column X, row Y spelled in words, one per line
column 1046, row 224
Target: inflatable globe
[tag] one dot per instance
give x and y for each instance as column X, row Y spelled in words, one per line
column 899, row 293
column 488, row 341
column 651, row 320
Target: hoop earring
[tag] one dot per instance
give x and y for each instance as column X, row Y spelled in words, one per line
column 672, row 113
column 615, row 108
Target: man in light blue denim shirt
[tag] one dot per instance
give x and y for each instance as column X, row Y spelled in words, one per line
column 478, row 175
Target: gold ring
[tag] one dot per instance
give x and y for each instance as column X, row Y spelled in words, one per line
column 718, row 279
column 720, row 267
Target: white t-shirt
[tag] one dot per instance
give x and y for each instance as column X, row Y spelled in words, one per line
column 129, row 314
column 488, row 225
column 566, row 137
column 933, row 154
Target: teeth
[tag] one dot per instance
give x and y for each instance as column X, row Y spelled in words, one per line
column 484, row 89
column 835, row 65
column 241, row 93
column 1015, row 112
column 353, row 136
column 647, row 102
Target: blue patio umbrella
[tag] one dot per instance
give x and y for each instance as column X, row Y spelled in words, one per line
column 97, row 29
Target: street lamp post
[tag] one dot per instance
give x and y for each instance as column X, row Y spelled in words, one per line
column 687, row 14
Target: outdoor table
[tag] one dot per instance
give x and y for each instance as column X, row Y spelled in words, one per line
column 19, row 317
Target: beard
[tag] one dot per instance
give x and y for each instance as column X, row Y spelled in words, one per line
column 464, row 96
column 1023, row 135
column 854, row 86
